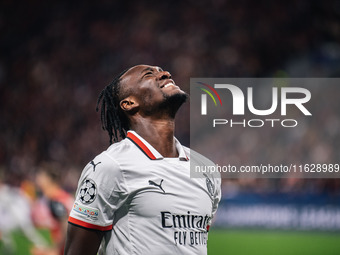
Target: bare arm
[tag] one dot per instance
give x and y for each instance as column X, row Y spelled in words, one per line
column 80, row 241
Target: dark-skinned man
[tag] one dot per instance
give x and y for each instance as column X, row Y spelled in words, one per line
column 137, row 197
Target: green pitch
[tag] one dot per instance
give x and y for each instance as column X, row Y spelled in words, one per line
column 265, row 242
column 246, row 242
column 21, row 245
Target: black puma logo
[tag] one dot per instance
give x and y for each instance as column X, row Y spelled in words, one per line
column 157, row 185
column 94, row 165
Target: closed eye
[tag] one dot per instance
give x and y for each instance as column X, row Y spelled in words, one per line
column 147, row 74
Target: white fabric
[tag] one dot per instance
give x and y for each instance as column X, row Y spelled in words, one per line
column 153, row 205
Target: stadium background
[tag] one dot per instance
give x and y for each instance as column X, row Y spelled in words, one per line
column 56, row 56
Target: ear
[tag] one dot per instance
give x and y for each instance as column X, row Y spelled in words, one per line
column 129, row 104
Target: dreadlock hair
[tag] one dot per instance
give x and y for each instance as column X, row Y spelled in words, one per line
column 113, row 119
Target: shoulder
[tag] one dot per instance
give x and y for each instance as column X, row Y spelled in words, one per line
column 107, row 164
column 112, row 156
column 118, row 149
column 104, row 172
column 196, row 157
column 200, row 165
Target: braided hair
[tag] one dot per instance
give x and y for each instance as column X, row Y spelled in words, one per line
column 113, row 119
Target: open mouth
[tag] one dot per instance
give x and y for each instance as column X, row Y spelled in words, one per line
column 168, row 85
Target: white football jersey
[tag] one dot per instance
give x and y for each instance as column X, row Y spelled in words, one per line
column 147, row 204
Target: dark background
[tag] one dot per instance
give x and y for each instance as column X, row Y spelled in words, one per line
column 56, row 57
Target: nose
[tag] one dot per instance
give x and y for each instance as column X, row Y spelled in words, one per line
column 164, row 75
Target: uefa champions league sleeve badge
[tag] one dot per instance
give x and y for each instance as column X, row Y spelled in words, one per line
column 87, row 192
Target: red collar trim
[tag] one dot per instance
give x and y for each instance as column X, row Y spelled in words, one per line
column 140, row 145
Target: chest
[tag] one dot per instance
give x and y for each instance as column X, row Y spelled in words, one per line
column 165, row 186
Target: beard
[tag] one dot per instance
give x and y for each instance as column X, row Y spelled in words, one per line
column 172, row 103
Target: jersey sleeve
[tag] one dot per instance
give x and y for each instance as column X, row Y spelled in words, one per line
column 100, row 193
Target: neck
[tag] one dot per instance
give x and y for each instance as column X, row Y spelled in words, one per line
column 157, row 132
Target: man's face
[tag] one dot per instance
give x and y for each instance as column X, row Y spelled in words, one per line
column 152, row 87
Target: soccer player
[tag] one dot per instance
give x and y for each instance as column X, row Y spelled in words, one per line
column 53, row 209
column 137, row 197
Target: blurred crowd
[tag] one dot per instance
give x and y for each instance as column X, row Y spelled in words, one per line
column 56, row 57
